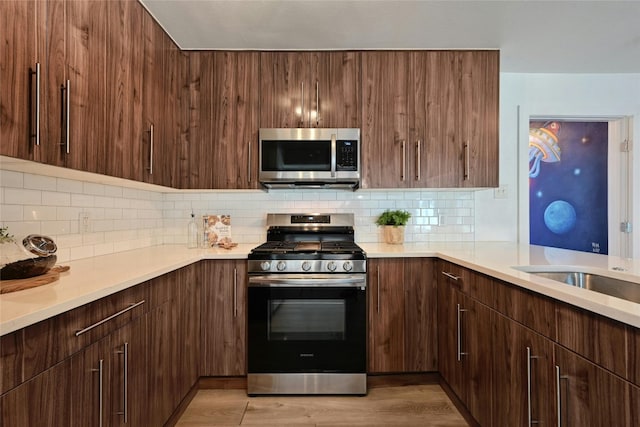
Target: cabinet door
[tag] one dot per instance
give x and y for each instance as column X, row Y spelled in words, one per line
column 421, row 316
column 152, row 95
column 226, row 153
column 450, row 359
column 433, row 114
column 223, row 318
column 592, row 396
column 41, row 401
column 17, row 56
column 478, row 345
column 385, row 139
column 11, row 360
column 121, row 89
column 170, row 154
column 465, row 349
column 386, row 315
column 162, row 352
column 478, row 121
column 336, row 101
column 129, row 369
column 90, row 379
column 282, row 90
column 188, row 344
column 523, row 375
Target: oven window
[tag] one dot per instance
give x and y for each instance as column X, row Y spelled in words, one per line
column 306, row 320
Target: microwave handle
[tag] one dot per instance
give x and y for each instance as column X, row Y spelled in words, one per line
column 334, row 155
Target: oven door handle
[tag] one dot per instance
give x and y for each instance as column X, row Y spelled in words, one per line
column 275, row 282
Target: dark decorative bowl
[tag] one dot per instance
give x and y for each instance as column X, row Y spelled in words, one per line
column 26, row 268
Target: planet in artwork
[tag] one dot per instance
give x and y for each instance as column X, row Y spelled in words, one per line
column 560, row 217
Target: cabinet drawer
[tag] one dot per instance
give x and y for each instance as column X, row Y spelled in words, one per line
column 52, row 340
column 596, row 338
column 10, row 360
column 475, row 285
column 528, row 308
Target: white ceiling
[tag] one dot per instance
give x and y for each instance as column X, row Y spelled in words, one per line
column 533, row 36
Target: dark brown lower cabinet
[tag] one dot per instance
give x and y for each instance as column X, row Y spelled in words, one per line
column 223, row 317
column 523, row 375
column 465, row 350
column 109, row 379
column 402, row 315
column 42, row 401
column 591, row 396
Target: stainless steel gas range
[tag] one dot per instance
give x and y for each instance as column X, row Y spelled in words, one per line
column 307, row 317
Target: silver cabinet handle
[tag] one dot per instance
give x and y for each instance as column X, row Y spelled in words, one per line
column 249, row 163
column 451, row 276
column 68, row 115
column 100, row 372
column 418, row 160
column 317, row 104
column 125, row 381
column 64, row 114
column 404, row 159
column 106, row 319
column 378, row 290
column 459, row 312
column 35, row 135
column 150, row 168
column 235, row 292
column 530, row 420
column 559, row 394
column 333, row 155
column 302, row 105
column 466, row 161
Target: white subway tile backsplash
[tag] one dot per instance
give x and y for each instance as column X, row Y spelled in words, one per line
column 122, row 218
column 21, row 196
column 55, row 198
column 39, row 182
column 38, row 213
column 11, row 179
column 69, row 186
column 11, row 213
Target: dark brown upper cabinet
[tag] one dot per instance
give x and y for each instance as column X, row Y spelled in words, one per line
column 309, row 89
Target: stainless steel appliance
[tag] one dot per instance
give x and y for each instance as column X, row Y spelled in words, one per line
column 307, row 316
column 310, row 158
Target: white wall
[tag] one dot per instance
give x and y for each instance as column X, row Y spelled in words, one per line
column 571, row 95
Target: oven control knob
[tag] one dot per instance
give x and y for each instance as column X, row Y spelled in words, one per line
column 306, row 266
column 265, row 265
column 281, row 265
column 347, row 266
column 331, row 266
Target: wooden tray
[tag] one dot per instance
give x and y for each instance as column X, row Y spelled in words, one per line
column 50, row 276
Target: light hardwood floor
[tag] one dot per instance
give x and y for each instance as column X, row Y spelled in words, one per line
column 411, row 405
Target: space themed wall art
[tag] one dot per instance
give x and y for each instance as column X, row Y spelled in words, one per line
column 568, row 184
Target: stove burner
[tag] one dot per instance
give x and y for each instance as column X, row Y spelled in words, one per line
column 327, row 246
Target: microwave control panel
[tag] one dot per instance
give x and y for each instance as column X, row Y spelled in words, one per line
column 346, row 155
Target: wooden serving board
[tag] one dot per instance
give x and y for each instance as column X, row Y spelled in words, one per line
column 50, row 276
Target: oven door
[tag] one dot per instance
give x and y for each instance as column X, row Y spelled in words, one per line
column 307, row 324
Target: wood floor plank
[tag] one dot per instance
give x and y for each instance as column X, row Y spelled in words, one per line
column 415, row 405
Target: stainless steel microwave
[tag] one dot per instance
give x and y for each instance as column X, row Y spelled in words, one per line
column 309, row 158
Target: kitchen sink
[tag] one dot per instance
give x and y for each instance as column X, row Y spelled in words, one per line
column 618, row 288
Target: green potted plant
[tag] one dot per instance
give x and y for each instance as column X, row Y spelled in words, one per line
column 392, row 223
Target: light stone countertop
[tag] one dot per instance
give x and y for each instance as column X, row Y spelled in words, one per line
column 94, row 278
